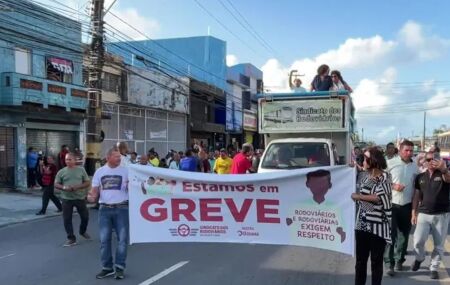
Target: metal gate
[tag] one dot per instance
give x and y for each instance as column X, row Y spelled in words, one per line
column 50, row 142
column 7, row 156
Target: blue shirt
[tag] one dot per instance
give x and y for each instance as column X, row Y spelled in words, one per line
column 32, row 159
column 189, row 164
column 322, row 85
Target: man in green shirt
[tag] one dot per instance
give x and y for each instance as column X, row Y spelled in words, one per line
column 73, row 181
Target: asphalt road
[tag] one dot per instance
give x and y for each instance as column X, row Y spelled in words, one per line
column 32, row 253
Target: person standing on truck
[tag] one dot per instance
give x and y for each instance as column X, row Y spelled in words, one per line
column 322, row 81
column 339, row 83
column 241, row 162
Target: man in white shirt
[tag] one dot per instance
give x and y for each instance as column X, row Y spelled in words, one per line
column 110, row 188
column 125, row 160
column 403, row 171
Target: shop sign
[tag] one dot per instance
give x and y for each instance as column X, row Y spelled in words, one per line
column 250, row 121
column 62, row 65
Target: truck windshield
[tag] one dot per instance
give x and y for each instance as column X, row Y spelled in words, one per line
column 294, row 155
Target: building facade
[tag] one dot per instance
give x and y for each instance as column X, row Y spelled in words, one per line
column 245, row 82
column 42, row 99
column 197, row 63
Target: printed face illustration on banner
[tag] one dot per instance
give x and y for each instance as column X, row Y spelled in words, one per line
column 305, row 207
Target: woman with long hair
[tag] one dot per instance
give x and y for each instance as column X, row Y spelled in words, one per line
column 322, row 81
column 373, row 219
column 339, row 83
column 49, row 171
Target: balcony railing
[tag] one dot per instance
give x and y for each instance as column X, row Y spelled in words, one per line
column 16, row 89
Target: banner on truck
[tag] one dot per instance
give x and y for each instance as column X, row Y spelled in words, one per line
column 306, row 207
column 304, row 115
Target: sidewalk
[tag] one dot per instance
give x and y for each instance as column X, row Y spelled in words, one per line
column 17, row 207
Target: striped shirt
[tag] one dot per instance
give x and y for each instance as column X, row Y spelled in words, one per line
column 375, row 217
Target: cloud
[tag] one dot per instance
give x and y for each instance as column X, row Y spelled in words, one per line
column 275, row 76
column 439, row 104
column 131, row 17
column 423, row 46
column 353, row 53
column 386, row 132
column 232, row 60
column 368, row 94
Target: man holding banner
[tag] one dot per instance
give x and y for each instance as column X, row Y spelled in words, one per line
column 110, row 188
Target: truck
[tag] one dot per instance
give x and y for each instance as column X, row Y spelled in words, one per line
column 307, row 129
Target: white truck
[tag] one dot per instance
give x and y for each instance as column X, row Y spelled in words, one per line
column 305, row 129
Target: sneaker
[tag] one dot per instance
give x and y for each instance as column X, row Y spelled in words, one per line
column 104, row 273
column 119, row 273
column 434, row 275
column 70, row 242
column 390, row 270
column 416, row 265
column 398, row 266
column 40, row 213
column 86, row 236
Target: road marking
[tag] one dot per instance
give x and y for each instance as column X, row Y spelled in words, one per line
column 164, row 273
column 5, row 256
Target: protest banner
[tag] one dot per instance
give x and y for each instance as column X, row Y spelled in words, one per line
column 306, row 207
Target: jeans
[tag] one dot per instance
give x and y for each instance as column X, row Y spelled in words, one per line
column 437, row 225
column 401, row 228
column 31, row 177
column 67, row 207
column 48, row 195
column 117, row 219
column 369, row 244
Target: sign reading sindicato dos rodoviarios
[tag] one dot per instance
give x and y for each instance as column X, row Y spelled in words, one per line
column 306, row 207
column 301, row 115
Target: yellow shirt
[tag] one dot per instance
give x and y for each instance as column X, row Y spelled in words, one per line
column 223, row 166
column 154, row 162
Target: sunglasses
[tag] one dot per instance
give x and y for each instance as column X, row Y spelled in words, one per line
column 428, row 159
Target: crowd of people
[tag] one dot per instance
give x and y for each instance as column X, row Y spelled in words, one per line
column 198, row 159
column 396, row 191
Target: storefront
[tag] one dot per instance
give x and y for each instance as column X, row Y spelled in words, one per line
column 143, row 129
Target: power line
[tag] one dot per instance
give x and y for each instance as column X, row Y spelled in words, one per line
column 225, row 27
column 251, row 27
column 245, row 27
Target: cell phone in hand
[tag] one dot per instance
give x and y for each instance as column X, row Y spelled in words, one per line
column 436, row 156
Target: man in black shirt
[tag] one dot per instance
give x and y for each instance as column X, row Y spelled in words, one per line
column 431, row 212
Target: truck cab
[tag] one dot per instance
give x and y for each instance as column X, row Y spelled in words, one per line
column 295, row 153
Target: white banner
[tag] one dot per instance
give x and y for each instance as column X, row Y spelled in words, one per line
column 301, row 115
column 305, row 207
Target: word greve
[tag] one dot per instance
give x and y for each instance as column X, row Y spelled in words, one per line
column 210, row 210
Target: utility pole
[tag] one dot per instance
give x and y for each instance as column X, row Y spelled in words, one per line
column 424, row 129
column 96, row 59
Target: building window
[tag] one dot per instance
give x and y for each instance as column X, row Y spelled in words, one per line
column 111, row 82
column 246, row 100
column 23, row 61
column 59, row 69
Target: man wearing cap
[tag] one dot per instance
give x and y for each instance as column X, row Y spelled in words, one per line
column 223, row 163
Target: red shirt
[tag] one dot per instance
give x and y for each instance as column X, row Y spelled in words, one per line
column 240, row 164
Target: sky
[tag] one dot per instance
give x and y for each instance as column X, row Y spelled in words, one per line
column 394, row 54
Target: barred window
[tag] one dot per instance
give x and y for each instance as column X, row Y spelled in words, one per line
column 111, row 82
